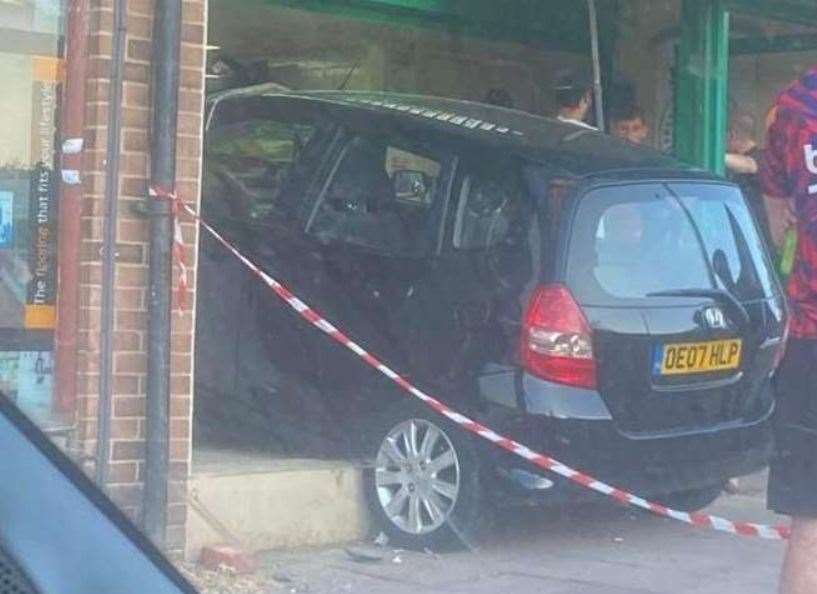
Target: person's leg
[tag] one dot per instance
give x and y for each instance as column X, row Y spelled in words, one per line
column 800, row 565
column 793, row 471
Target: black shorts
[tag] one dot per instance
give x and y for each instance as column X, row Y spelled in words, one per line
column 793, row 472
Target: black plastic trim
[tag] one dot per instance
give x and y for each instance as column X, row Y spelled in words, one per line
column 94, row 495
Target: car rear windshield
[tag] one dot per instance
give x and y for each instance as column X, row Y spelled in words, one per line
column 630, row 242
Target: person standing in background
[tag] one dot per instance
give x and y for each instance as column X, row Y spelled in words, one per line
column 743, row 154
column 788, row 178
column 743, row 160
column 574, row 97
column 628, row 122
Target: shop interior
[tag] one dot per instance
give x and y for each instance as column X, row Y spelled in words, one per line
column 245, row 410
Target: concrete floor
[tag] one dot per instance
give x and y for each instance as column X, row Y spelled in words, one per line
column 598, row 549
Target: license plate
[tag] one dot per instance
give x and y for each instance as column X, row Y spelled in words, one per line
column 698, row 357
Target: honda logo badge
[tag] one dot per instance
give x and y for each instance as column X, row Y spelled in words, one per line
column 715, row 318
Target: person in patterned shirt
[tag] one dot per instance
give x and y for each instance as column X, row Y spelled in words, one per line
column 788, row 177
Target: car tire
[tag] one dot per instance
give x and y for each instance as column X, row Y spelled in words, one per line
column 693, row 500
column 442, row 482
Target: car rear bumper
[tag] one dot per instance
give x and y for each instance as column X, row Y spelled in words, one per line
column 645, row 467
column 648, row 465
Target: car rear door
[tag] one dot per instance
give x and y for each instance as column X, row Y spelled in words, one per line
column 376, row 230
column 489, row 265
column 687, row 317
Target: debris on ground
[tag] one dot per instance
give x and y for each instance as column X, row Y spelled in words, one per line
column 224, row 580
column 239, row 560
column 364, row 554
column 281, row 578
column 381, row 539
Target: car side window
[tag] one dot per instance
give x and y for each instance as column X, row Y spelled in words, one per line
column 491, row 210
column 380, row 196
column 252, row 156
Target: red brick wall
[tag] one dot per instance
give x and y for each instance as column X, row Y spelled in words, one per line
column 130, row 339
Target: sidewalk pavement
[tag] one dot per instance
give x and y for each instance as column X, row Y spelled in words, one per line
column 599, row 549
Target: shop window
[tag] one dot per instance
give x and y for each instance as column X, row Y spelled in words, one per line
column 31, row 68
column 380, row 197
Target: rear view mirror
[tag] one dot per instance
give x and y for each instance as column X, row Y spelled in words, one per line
column 411, row 186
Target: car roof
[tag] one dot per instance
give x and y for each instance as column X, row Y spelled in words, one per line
column 569, row 148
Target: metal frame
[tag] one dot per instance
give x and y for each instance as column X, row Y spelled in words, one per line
column 795, row 11
column 167, row 27
column 773, row 45
column 703, row 81
column 703, row 68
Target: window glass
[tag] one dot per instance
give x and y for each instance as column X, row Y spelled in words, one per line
column 414, row 177
column 380, row 197
column 625, row 242
column 31, row 66
column 613, row 259
column 490, row 210
column 727, row 227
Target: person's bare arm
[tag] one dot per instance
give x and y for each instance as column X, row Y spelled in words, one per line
column 781, row 218
column 741, row 163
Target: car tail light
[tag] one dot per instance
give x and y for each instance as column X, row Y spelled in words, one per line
column 557, row 341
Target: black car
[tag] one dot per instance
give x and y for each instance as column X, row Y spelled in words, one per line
column 599, row 302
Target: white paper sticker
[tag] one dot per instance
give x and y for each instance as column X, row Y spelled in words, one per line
column 72, row 146
column 71, row 177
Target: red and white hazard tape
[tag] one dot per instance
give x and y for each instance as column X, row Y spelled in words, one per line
column 176, row 206
column 540, row 460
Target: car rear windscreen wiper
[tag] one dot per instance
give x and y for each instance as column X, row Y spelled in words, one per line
column 724, row 297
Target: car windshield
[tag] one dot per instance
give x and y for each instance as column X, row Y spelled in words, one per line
column 380, row 296
column 629, row 240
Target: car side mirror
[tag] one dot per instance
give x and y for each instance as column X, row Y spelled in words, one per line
column 410, row 185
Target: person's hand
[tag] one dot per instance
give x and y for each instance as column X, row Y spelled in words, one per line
column 741, row 163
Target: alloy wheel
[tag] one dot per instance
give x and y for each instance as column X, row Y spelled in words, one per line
column 417, row 476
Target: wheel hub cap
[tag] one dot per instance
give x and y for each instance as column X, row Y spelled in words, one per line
column 417, row 476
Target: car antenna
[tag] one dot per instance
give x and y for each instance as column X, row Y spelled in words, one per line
column 348, row 77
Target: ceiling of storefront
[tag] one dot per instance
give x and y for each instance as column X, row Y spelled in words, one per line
column 544, row 24
column 554, row 23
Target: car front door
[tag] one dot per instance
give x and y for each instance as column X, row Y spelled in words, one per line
column 262, row 158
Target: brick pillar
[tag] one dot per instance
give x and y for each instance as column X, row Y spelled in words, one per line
column 130, row 340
